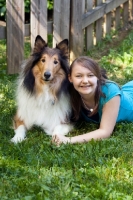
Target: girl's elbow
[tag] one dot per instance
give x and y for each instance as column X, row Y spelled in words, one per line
column 106, row 134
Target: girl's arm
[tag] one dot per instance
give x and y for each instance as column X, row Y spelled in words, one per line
column 108, row 121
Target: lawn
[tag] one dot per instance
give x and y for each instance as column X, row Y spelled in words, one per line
column 98, row 170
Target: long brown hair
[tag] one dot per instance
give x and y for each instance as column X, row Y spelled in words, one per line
column 75, row 96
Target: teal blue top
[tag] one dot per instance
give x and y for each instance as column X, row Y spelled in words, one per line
column 111, row 89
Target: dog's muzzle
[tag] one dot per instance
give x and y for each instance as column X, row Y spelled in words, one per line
column 47, row 76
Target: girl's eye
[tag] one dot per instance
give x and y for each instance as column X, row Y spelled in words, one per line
column 43, row 60
column 91, row 75
column 55, row 62
column 78, row 76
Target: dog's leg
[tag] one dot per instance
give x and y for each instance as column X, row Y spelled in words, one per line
column 19, row 129
column 62, row 129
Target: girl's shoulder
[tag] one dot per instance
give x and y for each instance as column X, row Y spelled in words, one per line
column 110, row 89
column 110, row 85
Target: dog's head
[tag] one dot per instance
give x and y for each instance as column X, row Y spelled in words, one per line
column 46, row 64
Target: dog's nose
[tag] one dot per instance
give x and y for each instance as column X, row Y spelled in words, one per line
column 47, row 75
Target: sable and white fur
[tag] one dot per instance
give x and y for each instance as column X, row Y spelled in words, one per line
column 42, row 93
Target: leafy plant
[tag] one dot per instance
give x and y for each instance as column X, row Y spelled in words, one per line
column 50, row 4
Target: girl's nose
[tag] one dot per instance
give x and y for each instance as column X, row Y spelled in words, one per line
column 85, row 79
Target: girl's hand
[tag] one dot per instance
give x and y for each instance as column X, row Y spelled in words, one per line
column 58, row 139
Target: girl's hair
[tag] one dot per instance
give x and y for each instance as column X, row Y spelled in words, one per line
column 75, row 96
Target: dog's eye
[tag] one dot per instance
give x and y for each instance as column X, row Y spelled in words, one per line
column 43, row 60
column 55, row 62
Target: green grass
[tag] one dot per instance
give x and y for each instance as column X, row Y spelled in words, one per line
column 38, row 170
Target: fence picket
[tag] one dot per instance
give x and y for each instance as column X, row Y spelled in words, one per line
column 15, row 35
column 89, row 29
column 99, row 28
column 108, row 19
column 125, row 13
column 61, row 23
column 76, row 39
column 117, row 17
column 38, row 20
column 131, row 10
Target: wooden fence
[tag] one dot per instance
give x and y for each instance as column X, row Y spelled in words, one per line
column 83, row 22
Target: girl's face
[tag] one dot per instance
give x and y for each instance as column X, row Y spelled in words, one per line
column 84, row 81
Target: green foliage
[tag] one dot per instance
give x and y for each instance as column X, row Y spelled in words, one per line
column 27, row 7
column 50, row 4
column 36, row 169
column 3, row 63
column 2, row 8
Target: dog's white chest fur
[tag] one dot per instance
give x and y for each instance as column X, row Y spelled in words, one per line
column 43, row 110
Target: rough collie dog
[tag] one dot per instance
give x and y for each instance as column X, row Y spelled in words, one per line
column 42, row 93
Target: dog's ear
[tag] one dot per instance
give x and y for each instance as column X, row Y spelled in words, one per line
column 29, row 81
column 63, row 46
column 39, row 44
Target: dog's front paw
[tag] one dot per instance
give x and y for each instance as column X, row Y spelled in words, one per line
column 17, row 139
column 20, row 134
column 58, row 139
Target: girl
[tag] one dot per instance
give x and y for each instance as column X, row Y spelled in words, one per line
column 96, row 99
